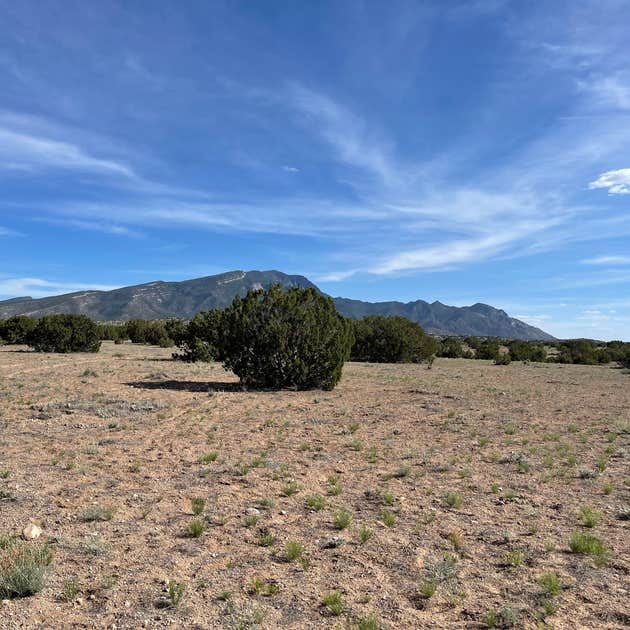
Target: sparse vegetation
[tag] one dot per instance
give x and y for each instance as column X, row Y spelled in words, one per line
column 22, row 567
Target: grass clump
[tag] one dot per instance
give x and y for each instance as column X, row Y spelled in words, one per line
column 196, row 527
column 315, row 502
column 370, row 622
column 289, row 489
column 208, row 458
column 294, row 550
column 198, row 505
column 388, row 518
column 334, row 485
column 71, row 589
column 588, row 517
column 453, row 500
column 97, row 513
column 365, row 533
column 263, row 587
column 176, row 592
column 550, row 583
column 22, row 567
column 590, row 545
column 342, row 519
column 333, row 602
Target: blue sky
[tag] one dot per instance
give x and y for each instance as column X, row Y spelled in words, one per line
column 454, row 151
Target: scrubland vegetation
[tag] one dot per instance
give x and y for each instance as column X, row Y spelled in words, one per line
column 139, row 490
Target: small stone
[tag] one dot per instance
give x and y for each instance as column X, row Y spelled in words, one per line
column 283, row 512
column 252, row 511
column 31, row 532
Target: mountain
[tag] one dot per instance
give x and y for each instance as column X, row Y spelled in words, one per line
column 160, row 300
column 439, row 319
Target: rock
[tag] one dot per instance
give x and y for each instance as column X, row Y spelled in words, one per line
column 252, row 511
column 31, row 532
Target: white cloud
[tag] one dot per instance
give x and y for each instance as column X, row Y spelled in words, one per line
column 37, row 287
column 609, row 91
column 335, row 276
column 350, row 136
column 291, row 169
column 22, row 151
column 7, row 232
column 617, row 182
column 607, row 260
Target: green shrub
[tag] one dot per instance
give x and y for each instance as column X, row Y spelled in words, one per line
column 488, row 349
column 65, row 333
column 17, row 330
column 591, row 546
column 201, row 338
column 503, row 358
column 154, row 333
column 112, row 332
column 22, row 567
column 294, row 338
column 451, row 348
column 380, row 339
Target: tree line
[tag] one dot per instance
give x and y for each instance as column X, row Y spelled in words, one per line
column 295, row 337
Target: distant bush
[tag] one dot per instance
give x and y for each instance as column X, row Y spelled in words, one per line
column 451, row 348
column 503, row 358
column 527, row 351
column 488, row 349
column 201, row 338
column 154, row 333
column 292, row 338
column 380, row 339
column 112, row 332
column 17, row 329
column 65, row 333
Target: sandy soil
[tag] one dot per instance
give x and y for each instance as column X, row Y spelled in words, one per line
column 126, row 430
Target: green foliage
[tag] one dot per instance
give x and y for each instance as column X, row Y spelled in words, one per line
column 17, row 330
column 294, row 338
column 22, row 567
column 591, row 546
column 488, row 349
column 451, row 348
column 503, row 358
column 65, row 333
column 154, row 333
column 380, row 339
column 112, row 332
column 201, row 339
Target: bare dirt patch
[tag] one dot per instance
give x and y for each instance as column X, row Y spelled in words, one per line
column 409, row 497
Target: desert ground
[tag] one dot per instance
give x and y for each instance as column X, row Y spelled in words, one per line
column 442, row 498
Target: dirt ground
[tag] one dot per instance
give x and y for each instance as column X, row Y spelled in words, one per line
column 462, row 486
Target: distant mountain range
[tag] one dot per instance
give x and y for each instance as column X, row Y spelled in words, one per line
column 160, row 300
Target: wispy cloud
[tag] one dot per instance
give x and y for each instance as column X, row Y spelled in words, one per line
column 4, row 231
column 22, row 151
column 617, row 182
column 607, row 260
column 38, row 287
column 104, row 227
column 354, row 141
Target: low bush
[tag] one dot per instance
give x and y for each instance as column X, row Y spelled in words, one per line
column 22, row 567
column 201, row 339
column 380, row 339
column 17, row 330
column 65, row 333
column 294, row 338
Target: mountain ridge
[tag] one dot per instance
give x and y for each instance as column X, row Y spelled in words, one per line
column 161, row 299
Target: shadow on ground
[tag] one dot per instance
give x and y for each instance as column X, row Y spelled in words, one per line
column 190, row 386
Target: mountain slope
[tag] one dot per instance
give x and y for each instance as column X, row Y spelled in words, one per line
column 160, row 300
column 439, row 319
